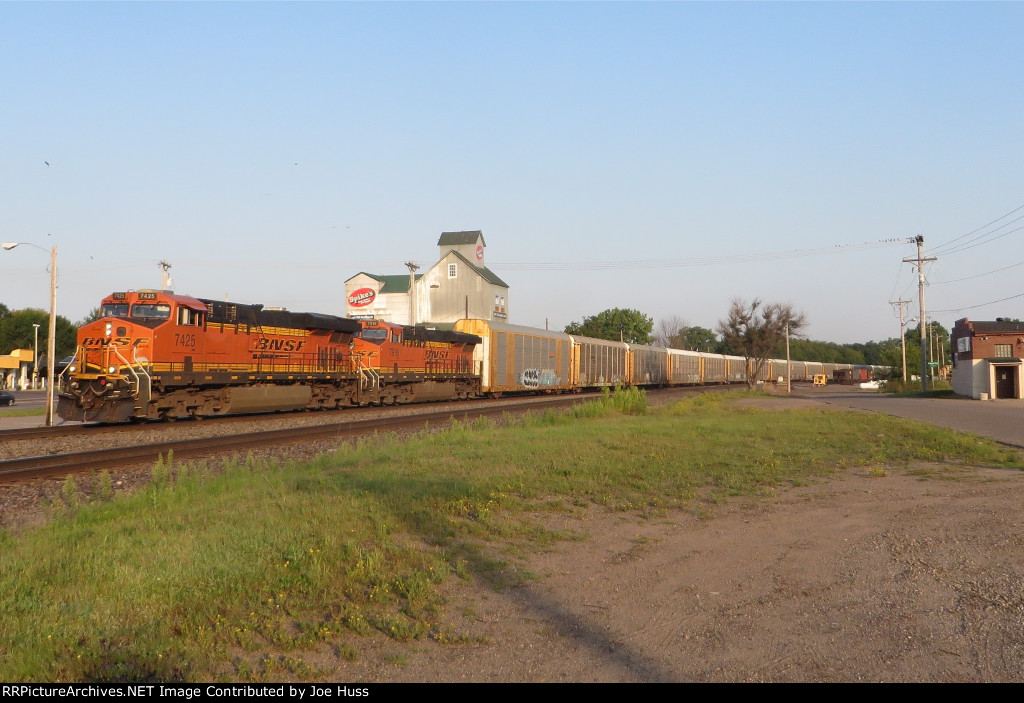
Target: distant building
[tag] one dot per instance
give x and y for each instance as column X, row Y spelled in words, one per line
column 14, row 369
column 458, row 286
column 987, row 358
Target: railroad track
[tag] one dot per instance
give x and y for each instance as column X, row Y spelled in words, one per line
column 60, row 465
column 87, row 429
column 46, row 432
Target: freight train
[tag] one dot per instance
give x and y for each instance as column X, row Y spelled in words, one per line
column 156, row 355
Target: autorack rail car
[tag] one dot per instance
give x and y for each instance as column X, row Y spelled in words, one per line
column 517, row 359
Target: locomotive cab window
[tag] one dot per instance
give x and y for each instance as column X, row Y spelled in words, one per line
column 156, row 311
column 114, row 310
column 188, row 316
column 377, row 336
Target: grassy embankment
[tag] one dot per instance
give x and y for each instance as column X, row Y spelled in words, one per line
column 253, row 570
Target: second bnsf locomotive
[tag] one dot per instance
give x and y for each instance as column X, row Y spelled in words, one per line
column 157, row 355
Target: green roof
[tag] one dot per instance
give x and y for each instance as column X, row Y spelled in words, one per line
column 391, row 284
column 454, row 239
column 482, row 271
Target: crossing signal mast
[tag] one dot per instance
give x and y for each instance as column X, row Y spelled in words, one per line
column 920, row 261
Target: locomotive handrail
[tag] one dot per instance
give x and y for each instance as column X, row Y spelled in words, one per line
column 61, row 376
column 368, row 376
column 140, row 390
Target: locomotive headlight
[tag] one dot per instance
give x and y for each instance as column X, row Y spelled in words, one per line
column 108, row 328
column 112, row 369
column 72, row 368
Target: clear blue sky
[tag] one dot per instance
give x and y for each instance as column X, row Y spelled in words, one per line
column 271, row 150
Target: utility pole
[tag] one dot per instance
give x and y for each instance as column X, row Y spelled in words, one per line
column 412, row 291
column 920, row 260
column 165, row 280
column 903, row 338
column 789, row 364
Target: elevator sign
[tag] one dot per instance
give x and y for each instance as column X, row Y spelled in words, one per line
column 361, row 298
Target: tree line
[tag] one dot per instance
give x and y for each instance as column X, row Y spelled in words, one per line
column 17, row 331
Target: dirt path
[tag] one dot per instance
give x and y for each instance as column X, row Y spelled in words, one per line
column 861, row 578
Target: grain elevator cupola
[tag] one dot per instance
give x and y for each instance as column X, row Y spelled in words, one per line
column 470, row 245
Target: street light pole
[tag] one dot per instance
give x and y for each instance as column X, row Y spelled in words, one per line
column 51, row 345
column 35, row 356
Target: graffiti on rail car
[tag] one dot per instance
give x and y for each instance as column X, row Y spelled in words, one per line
column 539, row 378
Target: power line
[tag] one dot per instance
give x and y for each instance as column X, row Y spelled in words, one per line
column 942, row 246
column 705, row 261
column 981, row 241
column 980, row 305
column 979, row 275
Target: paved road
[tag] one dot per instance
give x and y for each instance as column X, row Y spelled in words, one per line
column 1002, row 420
column 25, row 400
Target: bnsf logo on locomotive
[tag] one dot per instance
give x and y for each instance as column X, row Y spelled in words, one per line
column 94, row 342
column 290, row 345
column 435, row 354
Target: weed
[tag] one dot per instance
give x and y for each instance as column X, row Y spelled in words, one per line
column 104, row 486
column 69, row 493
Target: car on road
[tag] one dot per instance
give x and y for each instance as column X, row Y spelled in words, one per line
column 6, row 398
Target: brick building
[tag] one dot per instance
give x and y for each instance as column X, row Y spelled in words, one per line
column 987, row 358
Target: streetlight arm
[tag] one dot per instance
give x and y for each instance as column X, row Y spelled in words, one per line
column 10, row 245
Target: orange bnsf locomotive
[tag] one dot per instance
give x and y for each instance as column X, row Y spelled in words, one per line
column 415, row 364
column 157, row 355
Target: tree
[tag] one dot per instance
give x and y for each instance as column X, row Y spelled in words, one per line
column 93, row 315
column 937, row 349
column 670, row 331
column 700, row 339
column 615, row 324
column 892, row 356
column 17, row 332
column 754, row 331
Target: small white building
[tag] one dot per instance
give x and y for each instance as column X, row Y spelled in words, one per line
column 459, row 286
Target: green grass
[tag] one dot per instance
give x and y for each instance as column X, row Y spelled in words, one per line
column 23, row 412
column 263, row 571
column 912, row 389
